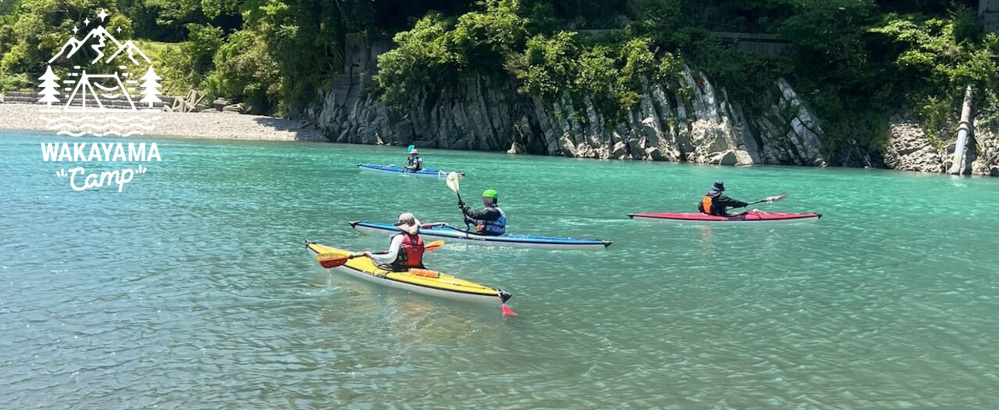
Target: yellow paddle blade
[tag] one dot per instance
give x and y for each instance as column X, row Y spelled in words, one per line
column 331, row 260
column 435, row 245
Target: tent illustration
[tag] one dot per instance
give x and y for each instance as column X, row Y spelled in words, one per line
column 85, row 86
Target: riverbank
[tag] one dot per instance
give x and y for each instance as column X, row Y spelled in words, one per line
column 202, row 125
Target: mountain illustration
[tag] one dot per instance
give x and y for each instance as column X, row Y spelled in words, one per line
column 96, row 39
column 131, row 50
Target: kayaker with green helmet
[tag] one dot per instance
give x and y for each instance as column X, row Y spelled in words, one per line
column 716, row 203
column 414, row 162
column 489, row 221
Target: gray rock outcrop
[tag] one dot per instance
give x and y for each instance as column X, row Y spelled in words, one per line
column 686, row 120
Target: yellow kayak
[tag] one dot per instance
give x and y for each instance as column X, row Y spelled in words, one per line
column 422, row 281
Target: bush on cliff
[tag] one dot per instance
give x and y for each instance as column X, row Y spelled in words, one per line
column 934, row 59
column 439, row 50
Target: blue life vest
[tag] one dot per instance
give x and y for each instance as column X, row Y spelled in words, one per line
column 498, row 226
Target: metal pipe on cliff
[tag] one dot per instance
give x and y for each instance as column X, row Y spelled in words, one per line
column 963, row 129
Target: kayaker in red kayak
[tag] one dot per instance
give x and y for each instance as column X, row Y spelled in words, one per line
column 489, row 221
column 405, row 250
column 414, row 162
column 716, row 203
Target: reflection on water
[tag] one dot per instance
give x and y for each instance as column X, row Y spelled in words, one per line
column 706, row 240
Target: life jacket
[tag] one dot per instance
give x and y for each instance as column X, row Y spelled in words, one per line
column 410, row 253
column 416, row 162
column 497, row 227
column 707, row 206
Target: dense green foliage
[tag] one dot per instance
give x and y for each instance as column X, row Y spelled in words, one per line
column 272, row 54
column 855, row 62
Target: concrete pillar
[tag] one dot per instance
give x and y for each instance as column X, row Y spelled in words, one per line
column 963, row 128
column 988, row 14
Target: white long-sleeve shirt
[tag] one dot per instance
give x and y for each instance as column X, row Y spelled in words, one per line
column 393, row 252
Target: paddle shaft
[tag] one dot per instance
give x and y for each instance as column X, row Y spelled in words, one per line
column 772, row 199
column 463, row 217
column 334, row 262
column 452, row 183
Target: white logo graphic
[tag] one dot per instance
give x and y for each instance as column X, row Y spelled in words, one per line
column 100, row 152
column 87, row 90
column 100, row 98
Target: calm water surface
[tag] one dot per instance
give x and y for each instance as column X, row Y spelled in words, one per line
column 191, row 288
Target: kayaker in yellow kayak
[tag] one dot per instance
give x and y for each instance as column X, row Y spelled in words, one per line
column 716, row 203
column 405, row 250
column 489, row 221
column 414, row 162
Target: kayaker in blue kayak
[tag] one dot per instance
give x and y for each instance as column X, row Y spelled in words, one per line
column 716, row 203
column 414, row 163
column 489, row 221
column 405, row 250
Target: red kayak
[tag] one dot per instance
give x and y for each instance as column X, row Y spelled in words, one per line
column 751, row 216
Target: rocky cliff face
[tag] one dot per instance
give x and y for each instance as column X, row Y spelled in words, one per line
column 686, row 120
column 985, row 158
column 910, row 150
column 689, row 120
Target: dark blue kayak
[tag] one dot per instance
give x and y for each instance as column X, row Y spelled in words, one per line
column 451, row 234
column 391, row 169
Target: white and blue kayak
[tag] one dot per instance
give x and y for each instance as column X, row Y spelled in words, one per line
column 451, row 234
column 393, row 169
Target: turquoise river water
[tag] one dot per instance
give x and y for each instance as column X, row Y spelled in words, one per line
column 191, row 288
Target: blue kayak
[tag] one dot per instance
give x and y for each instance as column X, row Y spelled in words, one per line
column 392, row 169
column 451, row 234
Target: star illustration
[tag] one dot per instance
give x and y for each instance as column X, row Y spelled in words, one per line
column 119, row 29
column 75, row 29
column 86, row 21
column 102, row 14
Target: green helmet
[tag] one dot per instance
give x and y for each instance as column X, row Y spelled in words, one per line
column 491, row 193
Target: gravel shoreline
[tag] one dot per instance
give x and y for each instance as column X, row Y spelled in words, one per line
column 200, row 125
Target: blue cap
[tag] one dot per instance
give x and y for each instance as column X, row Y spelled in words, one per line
column 718, row 186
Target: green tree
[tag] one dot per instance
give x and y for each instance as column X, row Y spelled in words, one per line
column 934, row 59
column 245, row 71
column 420, row 53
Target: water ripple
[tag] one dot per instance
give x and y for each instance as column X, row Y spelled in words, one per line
column 191, row 288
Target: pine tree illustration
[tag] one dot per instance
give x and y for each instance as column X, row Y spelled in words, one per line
column 150, row 86
column 49, row 87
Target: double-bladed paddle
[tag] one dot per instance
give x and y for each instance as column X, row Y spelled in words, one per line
column 332, row 260
column 770, row 199
column 452, row 182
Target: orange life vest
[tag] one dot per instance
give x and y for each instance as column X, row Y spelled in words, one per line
column 706, row 204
